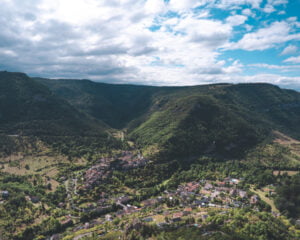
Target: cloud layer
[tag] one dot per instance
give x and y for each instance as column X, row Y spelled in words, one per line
column 155, row 42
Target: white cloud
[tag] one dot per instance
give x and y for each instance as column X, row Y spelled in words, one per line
column 155, row 6
column 293, row 60
column 292, row 19
column 236, row 20
column 282, row 12
column 247, row 12
column 265, row 38
column 208, row 33
column 284, row 68
column 269, row 8
column 237, row 3
column 277, row 2
column 290, row 49
column 179, row 5
column 248, row 27
column 8, row 52
column 283, row 81
column 111, row 40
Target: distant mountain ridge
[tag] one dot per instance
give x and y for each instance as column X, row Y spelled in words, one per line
column 28, row 107
column 222, row 119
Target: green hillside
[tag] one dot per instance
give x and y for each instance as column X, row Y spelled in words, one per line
column 222, row 119
column 116, row 105
column 192, row 125
column 29, row 109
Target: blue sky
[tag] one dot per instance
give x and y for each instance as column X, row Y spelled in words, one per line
column 154, row 42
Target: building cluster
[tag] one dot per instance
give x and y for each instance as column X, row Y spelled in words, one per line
column 128, row 160
column 124, row 161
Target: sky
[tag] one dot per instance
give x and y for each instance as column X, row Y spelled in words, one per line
column 153, row 42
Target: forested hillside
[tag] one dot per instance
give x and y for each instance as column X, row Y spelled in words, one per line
column 29, row 111
column 187, row 121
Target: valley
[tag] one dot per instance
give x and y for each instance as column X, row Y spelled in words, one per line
column 87, row 160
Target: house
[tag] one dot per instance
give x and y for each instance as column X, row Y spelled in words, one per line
column 187, row 211
column 203, row 202
column 149, row 202
column 160, row 199
column 234, row 181
column 177, row 216
column 221, row 183
column 4, row 194
column 61, row 205
column 254, row 199
column 159, row 210
column 227, row 200
column 148, row 219
column 108, row 217
column 166, row 213
column 55, row 237
column 215, row 194
column 242, row 194
column 276, row 214
column 131, row 209
column 223, row 189
column 192, row 186
column 34, row 199
column 205, row 192
column 208, row 186
column 227, row 179
column 237, row 204
column 124, row 199
column 233, row 192
column 87, row 225
column 120, row 213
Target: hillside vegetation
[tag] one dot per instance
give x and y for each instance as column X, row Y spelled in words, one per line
column 220, row 119
column 223, row 120
column 29, row 112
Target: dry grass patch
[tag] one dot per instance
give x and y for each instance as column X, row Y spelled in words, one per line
column 289, row 173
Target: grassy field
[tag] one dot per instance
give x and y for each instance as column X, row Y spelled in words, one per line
column 289, row 173
column 158, row 219
column 46, row 166
column 43, row 165
column 262, row 196
column 291, row 143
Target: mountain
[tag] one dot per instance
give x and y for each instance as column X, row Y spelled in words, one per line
column 28, row 107
column 29, row 111
column 116, row 105
column 225, row 119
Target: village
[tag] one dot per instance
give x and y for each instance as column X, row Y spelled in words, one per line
column 189, row 203
column 193, row 200
column 194, row 203
column 124, row 161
